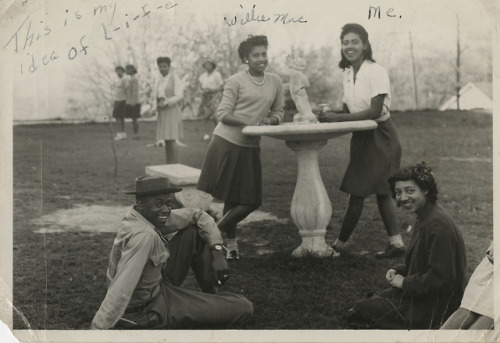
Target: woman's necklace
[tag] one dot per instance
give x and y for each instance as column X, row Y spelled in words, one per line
column 254, row 81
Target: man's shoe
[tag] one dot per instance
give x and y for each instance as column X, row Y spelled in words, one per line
column 232, row 255
column 336, row 251
column 391, row 251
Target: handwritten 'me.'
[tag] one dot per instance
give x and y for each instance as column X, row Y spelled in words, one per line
column 252, row 16
column 374, row 12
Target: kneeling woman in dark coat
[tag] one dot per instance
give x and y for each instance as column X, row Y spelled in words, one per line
column 428, row 288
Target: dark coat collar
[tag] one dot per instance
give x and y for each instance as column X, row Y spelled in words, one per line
column 426, row 210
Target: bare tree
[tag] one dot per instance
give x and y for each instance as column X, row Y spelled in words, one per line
column 415, row 89
column 458, row 64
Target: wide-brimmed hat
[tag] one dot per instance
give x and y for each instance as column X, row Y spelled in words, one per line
column 210, row 62
column 151, row 185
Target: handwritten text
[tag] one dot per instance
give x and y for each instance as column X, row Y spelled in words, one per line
column 375, row 12
column 253, row 16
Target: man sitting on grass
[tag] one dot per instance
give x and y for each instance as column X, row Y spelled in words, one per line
column 150, row 258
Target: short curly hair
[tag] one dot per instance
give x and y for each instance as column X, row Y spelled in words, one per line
column 251, row 42
column 422, row 175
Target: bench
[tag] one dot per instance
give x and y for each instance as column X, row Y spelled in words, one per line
column 184, row 177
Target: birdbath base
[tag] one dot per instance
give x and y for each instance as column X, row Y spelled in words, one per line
column 311, row 209
column 314, row 245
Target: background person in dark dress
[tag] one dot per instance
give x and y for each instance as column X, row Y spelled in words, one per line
column 133, row 104
column 119, row 96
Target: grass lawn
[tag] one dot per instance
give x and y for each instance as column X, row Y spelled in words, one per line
column 59, row 278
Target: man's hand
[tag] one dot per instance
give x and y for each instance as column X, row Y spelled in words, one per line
column 390, row 275
column 397, row 281
column 220, row 267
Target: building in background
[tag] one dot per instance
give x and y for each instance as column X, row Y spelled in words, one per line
column 473, row 96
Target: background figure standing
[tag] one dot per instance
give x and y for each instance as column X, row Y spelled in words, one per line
column 375, row 154
column 211, row 85
column 132, row 103
column 169, row 92
column 232, row 170
column 119, row 96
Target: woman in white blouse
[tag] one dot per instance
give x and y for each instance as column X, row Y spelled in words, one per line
column 375, row 154
column 211, row 84
column 169, row 91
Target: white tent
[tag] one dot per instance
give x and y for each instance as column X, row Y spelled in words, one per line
column 472, row 96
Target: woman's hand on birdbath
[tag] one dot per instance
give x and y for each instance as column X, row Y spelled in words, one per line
column 269, row 121
column 265, row 121
column 328, row 117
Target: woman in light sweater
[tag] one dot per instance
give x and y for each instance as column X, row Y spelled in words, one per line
column 232, row 169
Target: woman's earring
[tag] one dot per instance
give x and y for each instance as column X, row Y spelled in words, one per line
column 246, row 61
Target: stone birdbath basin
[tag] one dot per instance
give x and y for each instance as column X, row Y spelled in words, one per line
column 311, row 208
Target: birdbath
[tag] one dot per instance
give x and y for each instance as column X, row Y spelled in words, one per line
column 311, row 208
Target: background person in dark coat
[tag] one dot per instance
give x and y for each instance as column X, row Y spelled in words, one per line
column 428, row 288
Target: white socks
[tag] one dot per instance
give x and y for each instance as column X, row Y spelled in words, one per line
column 396, row 240
column 120, row 136
column 232, row 244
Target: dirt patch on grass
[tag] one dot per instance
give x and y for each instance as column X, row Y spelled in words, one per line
column 84, row 218
column 106, row 218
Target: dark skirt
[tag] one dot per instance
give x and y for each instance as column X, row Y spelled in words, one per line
column 119, row 109
column 232, row 173
column 133, row 111
column 375, row 156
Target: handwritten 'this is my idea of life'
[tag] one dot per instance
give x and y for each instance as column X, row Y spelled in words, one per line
column 24, row 39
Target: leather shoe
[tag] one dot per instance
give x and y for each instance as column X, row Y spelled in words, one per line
column 391, row 251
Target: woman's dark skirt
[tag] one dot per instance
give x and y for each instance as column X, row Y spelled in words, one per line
column 133, row 111
column 119, row 109
column 232, row 173
column 375, row 156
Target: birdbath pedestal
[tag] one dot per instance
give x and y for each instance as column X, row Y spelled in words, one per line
column 311, row 208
